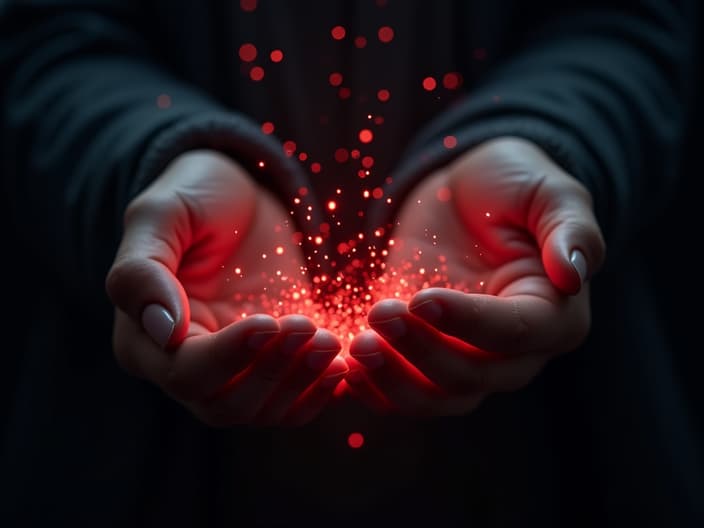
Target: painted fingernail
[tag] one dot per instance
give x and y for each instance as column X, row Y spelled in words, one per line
column 429, row 311
column 391, row 328
column 158, row 323
column 294, row 341
column 371, row 361
column 319, row 359
column 260, row 340
column 579, row 263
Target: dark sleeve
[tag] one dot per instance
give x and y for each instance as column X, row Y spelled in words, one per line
column 603, row 90
column 89, row 118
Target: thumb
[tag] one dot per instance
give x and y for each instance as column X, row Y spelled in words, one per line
column 571, row 242
column 142, row 280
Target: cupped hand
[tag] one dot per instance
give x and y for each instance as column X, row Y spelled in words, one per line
column 500, row 244
column 204, row 256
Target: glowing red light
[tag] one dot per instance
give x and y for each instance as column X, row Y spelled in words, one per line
column 449, row 142
column 268, row 127
column 256, row 73
column 367, row 162
column 354, row 153
column 289, row 147
column 386, row 34
column 276, row 55
column 378, row 192
column 429, row 84
column 248, row 52
column 451, row 80
column 355, row 440
column 443, row 194
column 332, row 205
column 341, row 155
column 318, row 240
column 279, row 250
column 366, row 135
column 315, row 167
column 360, row 42
column 302, row 156
column 344, row 93
column 261, row 164
column 335, row 79
column 338, row 32
column 163, row 101
column 383, row 95
column 248, row 5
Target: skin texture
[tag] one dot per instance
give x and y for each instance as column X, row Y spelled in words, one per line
column 184, row 235
column 507, row 221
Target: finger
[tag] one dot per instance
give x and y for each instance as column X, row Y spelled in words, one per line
column 362, row 388
column 571, row 242
column 249, row 391
column 514, row 326
column 142, row 280
column 310, row 404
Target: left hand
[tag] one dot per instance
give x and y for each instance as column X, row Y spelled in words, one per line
column 511, row 238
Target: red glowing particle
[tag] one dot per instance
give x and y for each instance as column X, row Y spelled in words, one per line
column 248, row 5
column 341, row 155
column 315, row 167
column 366, row 135
column 451, row 80
column 386, row 34
column 383, row 95
column 163, row 101
column 362, row 173
column 289, row 147
column 429, row 84
column 344, row 93
column 365, row 193
column 378, row 192
column 248, row 52
column 256, row 73
column 279, row 250
column 302, row 191
column 443, row 194
column 335, row 79
column 325, row 227
column 342, row 248
column 332, row 205
column 378, row 120
column 367, row 162
column 354, row 153
column 318, row 240
column 260, row 164
column 276, row 55
column 338, row 32
column 360, row 42
column 268, row 127
column 449, row 142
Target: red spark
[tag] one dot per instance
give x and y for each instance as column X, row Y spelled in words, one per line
column 256, row 73
column 248, row 5
column 289, row 147
column 355, row 440
column 338, row 32
column 268, row 127
column 383, row 95
column 429, row 84
column 276, row 55
column 248, row 52
column 452, row 80
column 315, row 167
column 341, row 155
column 377, row 193
column 332, row 205
column 335, row 79
column 366, row 135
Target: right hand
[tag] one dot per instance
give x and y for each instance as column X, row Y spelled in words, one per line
column 188, row 268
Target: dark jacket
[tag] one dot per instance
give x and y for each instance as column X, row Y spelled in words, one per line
column 98, row 96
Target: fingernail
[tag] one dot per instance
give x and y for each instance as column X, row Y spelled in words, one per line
column 259, row 340
column 294, row 341
column 579, row 263
column 158, row 323
column 427, row 310
column 391, row 328
column 319, row 359
column 371, row 361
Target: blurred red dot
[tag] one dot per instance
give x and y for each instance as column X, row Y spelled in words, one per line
column 248, row 5
column 256, row 73
column 367, row 162
column 289, row 147
column 268, row 127
column 248, row 52
column 341, row 155
column 335, row 79
column 355, row 153
column 386, row 34
column 302, row 191
column 429, row 84
column 302, row 156
column 366, row 135
column 338, row 32
column 344, row 93
column 449, row 142
column 451, row 80
column 315, row 167
column 383, row 95
column 378, row 192
column 355, row 440
column 163, row 101
column 276, row 55
column 360, row 42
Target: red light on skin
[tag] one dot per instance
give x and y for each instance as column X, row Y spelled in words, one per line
column 386, row 34
column 256, row 73
column 449, row 142
column 429, row 84
column 248, row 52
column 443, row 194
column 366, row 135
column 383, row 95
column 276, row 55
column 338, row 32
column 355, row 440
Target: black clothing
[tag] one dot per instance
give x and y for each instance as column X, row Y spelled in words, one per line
column 98, row 96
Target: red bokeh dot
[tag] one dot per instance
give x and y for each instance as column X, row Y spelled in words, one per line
column 163, row 101
column 302, row 156
column 449, row 142
column 302, row 191
column 377, row 193
column 360, row 42
column 315, row 167
column 338, row 32
column 386, row 34
column 248, row 52
column 248, row 5
column 341, row 155
column 366, row 135
column 354, row 154
column 383, row 95
column 335, row 79
column 451, row 80
column 256, row 73
column 268, row 127
column 429, row 84
column 289, row 147
column 344, row 93
column 276, row 55
column 367, row 162
column 355, row 440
